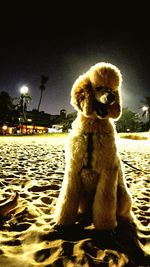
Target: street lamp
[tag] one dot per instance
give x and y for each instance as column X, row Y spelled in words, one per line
column 23, row 102
column 23, row 99
column 144, row 108
column 24, row 90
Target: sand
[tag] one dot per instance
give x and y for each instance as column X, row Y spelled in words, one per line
column 33, row 167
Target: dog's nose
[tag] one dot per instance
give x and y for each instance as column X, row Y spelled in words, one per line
column 110, row 98
column 107, row 98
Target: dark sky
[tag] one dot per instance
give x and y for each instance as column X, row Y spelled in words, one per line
column 65, row 54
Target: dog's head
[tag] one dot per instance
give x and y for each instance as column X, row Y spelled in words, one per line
column 97, row 92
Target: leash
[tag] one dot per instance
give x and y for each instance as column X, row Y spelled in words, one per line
column 131, row 166
column 90, row 152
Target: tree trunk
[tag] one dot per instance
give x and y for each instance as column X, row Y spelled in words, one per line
column 40, row 100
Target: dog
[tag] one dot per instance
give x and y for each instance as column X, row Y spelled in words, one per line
column 94, row 181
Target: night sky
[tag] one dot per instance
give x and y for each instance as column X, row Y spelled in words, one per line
column 65, row 54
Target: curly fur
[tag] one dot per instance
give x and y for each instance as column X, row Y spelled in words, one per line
column 97, row 186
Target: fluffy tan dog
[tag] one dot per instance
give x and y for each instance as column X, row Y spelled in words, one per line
column 94, row 180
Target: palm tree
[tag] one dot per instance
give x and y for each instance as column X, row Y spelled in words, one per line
column 146, row 107
column 24, row 101
column 44, row 80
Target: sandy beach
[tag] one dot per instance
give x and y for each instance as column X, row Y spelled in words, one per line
column 34, row 167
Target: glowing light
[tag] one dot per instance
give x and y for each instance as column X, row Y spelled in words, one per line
column 24, row 90
column 4, row 127
column 144, row 108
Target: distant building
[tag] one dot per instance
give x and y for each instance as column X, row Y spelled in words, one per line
column 38, row 122
column 37, row 118
column 58, row 128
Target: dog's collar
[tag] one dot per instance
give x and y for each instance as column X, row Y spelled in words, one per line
column 95, row 133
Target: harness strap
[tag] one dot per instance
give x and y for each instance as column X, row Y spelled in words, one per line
column 89, row 149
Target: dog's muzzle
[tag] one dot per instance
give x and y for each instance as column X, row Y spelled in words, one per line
column 102, row 100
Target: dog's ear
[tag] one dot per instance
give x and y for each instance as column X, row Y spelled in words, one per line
column 82, row 95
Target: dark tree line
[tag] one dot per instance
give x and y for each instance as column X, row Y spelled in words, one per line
column 6, row 108
column 128, row 122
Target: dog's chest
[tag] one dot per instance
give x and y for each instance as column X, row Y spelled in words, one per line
column 89, row 179
column 89, row 175
column 99, row 150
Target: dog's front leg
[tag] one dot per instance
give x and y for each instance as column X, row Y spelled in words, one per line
column 68, row 200
column 124, row 200
column 104, row 206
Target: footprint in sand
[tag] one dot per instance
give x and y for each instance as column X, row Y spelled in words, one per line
column 9, row 205
column 34, row 167
column 42, row 255
column 46, row 200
